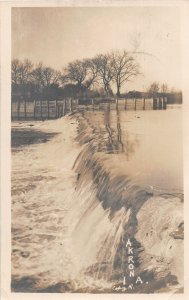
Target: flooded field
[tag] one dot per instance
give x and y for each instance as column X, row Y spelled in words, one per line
column 97, row 204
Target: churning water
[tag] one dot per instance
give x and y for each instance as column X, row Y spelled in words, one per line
column 128, row 194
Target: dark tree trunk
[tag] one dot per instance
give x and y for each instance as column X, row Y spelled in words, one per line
column 118, row 91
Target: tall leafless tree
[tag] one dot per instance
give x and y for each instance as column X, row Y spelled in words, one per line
column 154, row 88
column 104, row 66
column 75, row 72
column 124, row 68
column 26, row 71
column 38, row 76
column 21, row 71
column 45, row 76
column 92, row 72
column 80, row 72
column 50, row 76
column 15, row 71
column 164, row 88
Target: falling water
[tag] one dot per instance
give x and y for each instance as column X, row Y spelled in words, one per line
column 116, row 191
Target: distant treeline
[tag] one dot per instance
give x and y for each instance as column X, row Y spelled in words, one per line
column 84, row 79
column 78, row 78
column 172, row 97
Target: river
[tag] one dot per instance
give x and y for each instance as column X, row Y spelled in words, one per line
column 84, row 203
column 150, row 142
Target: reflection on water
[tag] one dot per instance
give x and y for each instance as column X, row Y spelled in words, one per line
column 115, row 138
column 150, row 143
column 114, row 129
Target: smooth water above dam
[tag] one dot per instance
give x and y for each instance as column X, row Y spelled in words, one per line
column 150, row 143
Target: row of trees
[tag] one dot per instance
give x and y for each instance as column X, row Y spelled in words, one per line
column 156, row 87
column 25, row 73
column 84, row 78
column 116, row 67
column 78, row 77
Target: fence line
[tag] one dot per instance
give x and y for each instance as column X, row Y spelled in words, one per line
column 53, row 109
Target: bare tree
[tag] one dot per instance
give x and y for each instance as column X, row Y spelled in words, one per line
column 75, row 72
column 154, row 88
column 104, row 66
column 81, row 73
column 45, row 76
column 50, row 76
column 27, row 81
column 92, row 72
column 124, row 68
column 38, row 75
column 25, row 71
column 21, row 72
column 118, row 67
column 164, row 88
column 15, row 71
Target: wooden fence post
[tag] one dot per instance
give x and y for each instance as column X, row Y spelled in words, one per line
column 18, row 109
column 34, row 105
column 154, row 103
column 56, row 109
column 41, row 113
column 62, row 108
column 144, row 105
column 11, row 109
column 160, row 103
column 65, row 106
column 116, row 103
column 48, row 109
column 164, row 102
column 25, row 113
column 70, row 104
column 125, row 103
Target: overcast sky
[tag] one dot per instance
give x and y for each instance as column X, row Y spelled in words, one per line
column 56, row 36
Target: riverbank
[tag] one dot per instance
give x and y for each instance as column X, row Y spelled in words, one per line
column 74, row 209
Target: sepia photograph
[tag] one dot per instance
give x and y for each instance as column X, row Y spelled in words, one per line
column 97, row 172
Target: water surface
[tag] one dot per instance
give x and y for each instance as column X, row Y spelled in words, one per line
column 150, row 143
